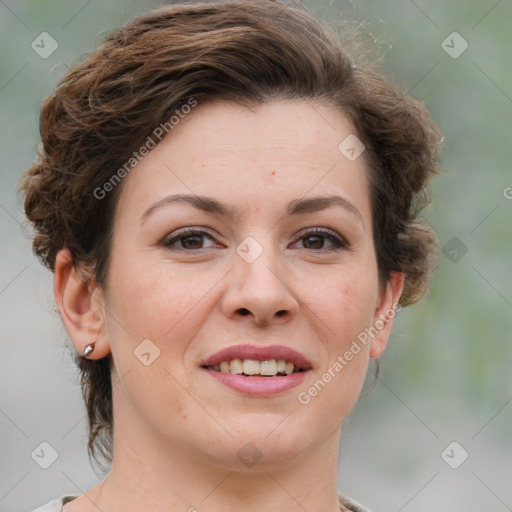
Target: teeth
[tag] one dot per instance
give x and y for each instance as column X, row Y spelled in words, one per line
column 289, row 368
column 236, row 366
column 251, row 367
column 281, row 365
column 269, row 368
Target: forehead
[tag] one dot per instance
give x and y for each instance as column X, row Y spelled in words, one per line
column 260, row 153
column 278, row 129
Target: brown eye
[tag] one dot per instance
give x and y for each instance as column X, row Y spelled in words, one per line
column 313, row 241
column 188, row 239
column 192, row 242
column 316, row 239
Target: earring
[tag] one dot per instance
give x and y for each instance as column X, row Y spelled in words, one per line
column 88, row 349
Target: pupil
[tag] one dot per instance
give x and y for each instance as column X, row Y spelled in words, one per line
column 185, row 243
column 318, row 239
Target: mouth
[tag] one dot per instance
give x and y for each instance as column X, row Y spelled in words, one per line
column 258, row 371
column 250, row 360
column 255, row 368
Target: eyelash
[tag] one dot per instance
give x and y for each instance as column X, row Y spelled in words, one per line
column 339, row 242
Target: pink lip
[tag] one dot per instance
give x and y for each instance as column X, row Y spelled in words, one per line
column 258, row 386
column 259, row 354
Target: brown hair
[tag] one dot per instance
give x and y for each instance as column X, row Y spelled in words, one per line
column 249, row 53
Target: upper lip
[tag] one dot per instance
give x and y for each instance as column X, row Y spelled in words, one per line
column 259, row 354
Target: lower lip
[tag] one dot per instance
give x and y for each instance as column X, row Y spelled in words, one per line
column 258, row 386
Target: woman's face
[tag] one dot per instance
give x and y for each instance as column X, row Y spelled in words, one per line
column 253, row 276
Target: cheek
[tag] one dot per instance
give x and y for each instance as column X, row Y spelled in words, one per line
column 154, row 393
column 152, row 317
column 347, row 306
column 143, row 299
column 160, row 303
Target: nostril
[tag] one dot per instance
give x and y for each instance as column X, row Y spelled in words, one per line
column 244, row 311
column 281, row 312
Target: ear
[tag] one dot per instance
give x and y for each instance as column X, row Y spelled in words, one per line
column 385, row 313
column 81, row 305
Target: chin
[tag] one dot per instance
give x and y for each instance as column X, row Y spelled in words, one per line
column 259, row 446
column 255, row 456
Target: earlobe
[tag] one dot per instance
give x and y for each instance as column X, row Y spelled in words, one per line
column 81, row 308
column 385, row 313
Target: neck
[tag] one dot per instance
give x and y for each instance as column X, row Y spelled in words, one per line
column 144, row 475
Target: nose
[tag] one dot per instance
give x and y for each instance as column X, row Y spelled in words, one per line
column 260, row 291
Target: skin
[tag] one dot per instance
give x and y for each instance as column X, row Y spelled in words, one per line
column 177, row 430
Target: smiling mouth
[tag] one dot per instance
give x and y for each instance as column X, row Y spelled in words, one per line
column 255, row 368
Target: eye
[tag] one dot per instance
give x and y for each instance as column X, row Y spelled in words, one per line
column 190, row 239
column 315, row 238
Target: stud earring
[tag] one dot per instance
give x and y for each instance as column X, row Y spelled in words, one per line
column 88, row 349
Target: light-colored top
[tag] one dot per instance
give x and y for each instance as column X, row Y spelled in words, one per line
column 57, row 505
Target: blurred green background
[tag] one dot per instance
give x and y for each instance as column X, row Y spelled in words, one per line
column 447, row 373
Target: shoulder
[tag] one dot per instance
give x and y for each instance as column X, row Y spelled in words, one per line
column 352, row 505
column 55, row 505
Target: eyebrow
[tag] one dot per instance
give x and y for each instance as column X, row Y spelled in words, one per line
column 210, row 205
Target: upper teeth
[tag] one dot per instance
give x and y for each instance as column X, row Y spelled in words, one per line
column 254, row 367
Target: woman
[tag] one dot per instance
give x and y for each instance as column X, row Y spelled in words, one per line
column 229, row 206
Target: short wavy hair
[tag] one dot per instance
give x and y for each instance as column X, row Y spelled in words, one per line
column 248, row 53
